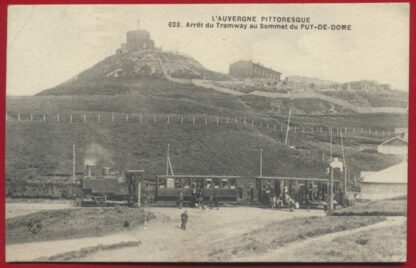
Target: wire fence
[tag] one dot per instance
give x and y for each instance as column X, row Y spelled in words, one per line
column 157, row 119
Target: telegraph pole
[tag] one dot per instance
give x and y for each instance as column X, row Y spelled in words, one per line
column 139, row 192
column 73, row 163
column 261, row 162
column 331, row 182
column 167, row 161
column 288, row 126
column 345, row 167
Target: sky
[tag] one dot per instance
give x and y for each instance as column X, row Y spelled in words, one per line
column 48, row 44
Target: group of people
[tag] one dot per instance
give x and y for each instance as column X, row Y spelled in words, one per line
column 276, row 201
column 197, row 200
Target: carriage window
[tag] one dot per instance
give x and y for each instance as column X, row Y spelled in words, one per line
column 208, row 183
column 199, row 183
column 179, row 183
column 186, row 183
column 232, row 183
column 216, row 183
column 162, row 183
column 225, row 184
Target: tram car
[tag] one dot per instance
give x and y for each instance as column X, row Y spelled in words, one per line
column 168, row 187
column 307, row 192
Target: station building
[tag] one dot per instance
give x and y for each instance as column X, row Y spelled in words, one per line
column 387, row 183
column 248, row 69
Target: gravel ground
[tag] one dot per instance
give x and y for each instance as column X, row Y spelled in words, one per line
column 162, row 239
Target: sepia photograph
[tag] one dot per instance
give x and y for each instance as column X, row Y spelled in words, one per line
column 196, row 133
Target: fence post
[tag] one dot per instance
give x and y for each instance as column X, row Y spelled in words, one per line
column 154, row 119
column 31, row 117
column 252, row 123
column 226, row 120
column 44, row 118
column 267, row 126
column 181, row 120
column 57, row 118
column 168, row 120
column 112, row 117
column 18, row 117
column 98, row 117
column 70, row 118
column 141, row 118
column 217, row 120
column 127, row 117
column 85, row 118
column 244, row 120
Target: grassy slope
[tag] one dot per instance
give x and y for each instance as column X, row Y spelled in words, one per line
column 397, row 207
column 397, row 99
column 73, row 223
column 282, row 233
column 37, row 149
column 148, row 96
column 387, row 244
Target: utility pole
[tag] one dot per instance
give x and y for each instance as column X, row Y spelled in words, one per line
column 288, row 126
column 261, row 162
column 331, row 181
column 167, row 161
column 345, row 167
column 139, row 192
column 73, row 163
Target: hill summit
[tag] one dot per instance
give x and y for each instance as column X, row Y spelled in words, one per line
column 138, row 59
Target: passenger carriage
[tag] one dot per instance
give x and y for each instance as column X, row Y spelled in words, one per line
column 225, row 188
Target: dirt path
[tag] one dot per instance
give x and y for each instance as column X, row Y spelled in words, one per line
column 290, row 253
column 165, row 241
column 162, row 239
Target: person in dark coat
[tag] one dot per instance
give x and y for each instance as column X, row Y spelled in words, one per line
column 184, row 219
column 216, row 201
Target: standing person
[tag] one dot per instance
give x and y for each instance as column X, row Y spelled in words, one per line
column 211, row 201
column 184, row 219
column 216, row 201
column 180, row 200
column 274, row 202
column 307, row 201
column 251, row 195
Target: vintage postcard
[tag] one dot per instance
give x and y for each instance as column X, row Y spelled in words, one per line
column 207, row 133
